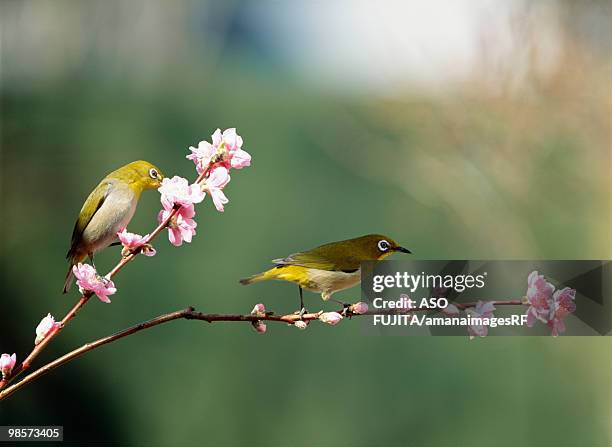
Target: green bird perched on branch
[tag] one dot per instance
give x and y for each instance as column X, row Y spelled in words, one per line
column 331, row 267
column 108, row 210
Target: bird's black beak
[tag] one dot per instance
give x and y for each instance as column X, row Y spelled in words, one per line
column 403, row 250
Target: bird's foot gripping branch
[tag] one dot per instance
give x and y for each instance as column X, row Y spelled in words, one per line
column 213, row 163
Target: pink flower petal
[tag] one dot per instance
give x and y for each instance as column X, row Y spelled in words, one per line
column 182, row 226
column 214, row 185
column 240, row 159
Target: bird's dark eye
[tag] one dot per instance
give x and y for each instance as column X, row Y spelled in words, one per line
column 153, row 173
column 383, row 245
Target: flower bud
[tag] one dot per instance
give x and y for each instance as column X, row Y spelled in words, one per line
column 259, row 309
column 332, row 318
column 259, row 326
column 45, row 327
column 148, row 250
column 359, row 308
column 7, row 363
column 301, row 324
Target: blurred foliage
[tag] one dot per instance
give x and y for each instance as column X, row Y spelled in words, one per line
column 479, row 172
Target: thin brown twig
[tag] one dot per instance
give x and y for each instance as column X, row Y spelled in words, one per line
column 191, row 314
column 83, row 299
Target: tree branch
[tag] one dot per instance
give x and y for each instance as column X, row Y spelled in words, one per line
column 191, row 314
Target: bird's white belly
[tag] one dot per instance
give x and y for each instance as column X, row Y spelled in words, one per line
column 327, row 282
column 114, row 215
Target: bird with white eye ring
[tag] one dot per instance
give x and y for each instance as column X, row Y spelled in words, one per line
column 107, row 210
column 331, row 267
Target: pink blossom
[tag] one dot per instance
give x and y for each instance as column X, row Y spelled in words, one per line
column 332, row 318
column 301, row 324
column 88, row 280
column 181, row 227
column 130, row 241
column 562, row 305
column 259, row 309
column 177, row 190
column 45, row 327
column 451, row 310
column 483, row 309
column 232, row 142
column 226, row 149
column 539, row 296
column 259, row 326
column 7, row 363
column 214, row 185
column 202, row 155
column 359, row 308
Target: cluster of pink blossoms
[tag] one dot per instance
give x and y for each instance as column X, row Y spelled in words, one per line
column 547, row 305
column 214, row 160
column 226, row 147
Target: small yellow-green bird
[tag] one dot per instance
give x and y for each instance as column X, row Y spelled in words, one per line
column 108, row 209
column 330, row 267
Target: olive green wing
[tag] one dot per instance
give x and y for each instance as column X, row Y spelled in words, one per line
column 91, row 206
column 322, row 258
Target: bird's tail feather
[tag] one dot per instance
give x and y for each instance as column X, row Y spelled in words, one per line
column 74, row 259
column 69, row 279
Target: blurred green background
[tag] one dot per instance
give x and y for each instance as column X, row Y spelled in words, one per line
column 463, row 129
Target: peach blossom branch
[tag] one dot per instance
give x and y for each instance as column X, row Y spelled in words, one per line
column 191, row 314
column 85, row 297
